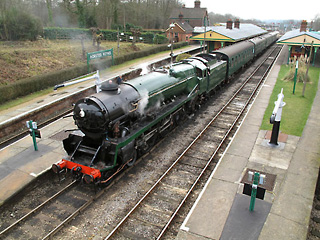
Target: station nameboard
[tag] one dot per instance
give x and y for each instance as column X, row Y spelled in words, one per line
column 99, row 54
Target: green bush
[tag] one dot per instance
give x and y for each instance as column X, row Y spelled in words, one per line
column 109, row 35
column 19, row 25
column 65, row 33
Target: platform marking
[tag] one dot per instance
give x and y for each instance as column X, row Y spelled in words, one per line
column 36, row 175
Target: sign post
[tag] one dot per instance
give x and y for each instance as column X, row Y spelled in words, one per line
column 97, row 55
column 295, row 77
column 254, row 190
column 34, row 132
column 256, row 179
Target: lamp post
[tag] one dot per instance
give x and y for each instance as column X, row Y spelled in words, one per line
column 171, row 54
column 205, row 30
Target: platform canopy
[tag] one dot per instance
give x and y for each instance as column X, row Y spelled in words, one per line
column 299, row 43
column 223, row 34
column 298, row 38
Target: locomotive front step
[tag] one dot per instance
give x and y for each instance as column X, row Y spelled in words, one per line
column 87, row 149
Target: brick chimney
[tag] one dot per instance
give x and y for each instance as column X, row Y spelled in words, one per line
column 237, row 23
column 197, row 4
column 180, row 16
column 303, row 27
column 229, row 24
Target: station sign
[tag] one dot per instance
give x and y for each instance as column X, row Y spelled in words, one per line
column 99, row 54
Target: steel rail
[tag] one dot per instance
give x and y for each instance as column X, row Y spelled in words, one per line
column 37, row 208
column 181, row 155
column 74, row 214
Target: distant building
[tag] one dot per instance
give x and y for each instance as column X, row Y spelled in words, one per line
column 184, row 20
column 181, row 32
column 193, row 16
column 299, row 42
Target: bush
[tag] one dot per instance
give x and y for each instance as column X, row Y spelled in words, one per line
column 65, row 33
column 109, row 35
column 302, row 68
column 182, row 56
column 20, row 25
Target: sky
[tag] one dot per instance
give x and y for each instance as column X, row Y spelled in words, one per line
column 261, row 10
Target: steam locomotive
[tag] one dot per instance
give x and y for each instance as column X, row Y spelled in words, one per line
column 121, row 122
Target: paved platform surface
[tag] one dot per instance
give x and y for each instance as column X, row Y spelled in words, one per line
column 295, row 162
column 236, row 227
column 19, row 163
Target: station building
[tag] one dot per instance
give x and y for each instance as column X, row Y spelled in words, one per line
column 301, row 42
column 181, row 31
column 183, row 20
column 226, row 34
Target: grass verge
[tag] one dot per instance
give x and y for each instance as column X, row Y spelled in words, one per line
column 296, row 111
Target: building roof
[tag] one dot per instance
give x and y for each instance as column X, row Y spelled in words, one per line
column 181, row 27
column 295, row 37
column 186, row 26
column 188, row 13
column 221, row 33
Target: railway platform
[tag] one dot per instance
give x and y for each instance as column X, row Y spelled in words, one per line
column 20, row 164
column 222, row 210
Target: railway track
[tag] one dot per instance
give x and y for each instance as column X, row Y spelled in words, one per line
column 47, row 218
column 152, row 215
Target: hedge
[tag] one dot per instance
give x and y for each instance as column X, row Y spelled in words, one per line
column 33, row 84
column 110, row 35
column 65, row 33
